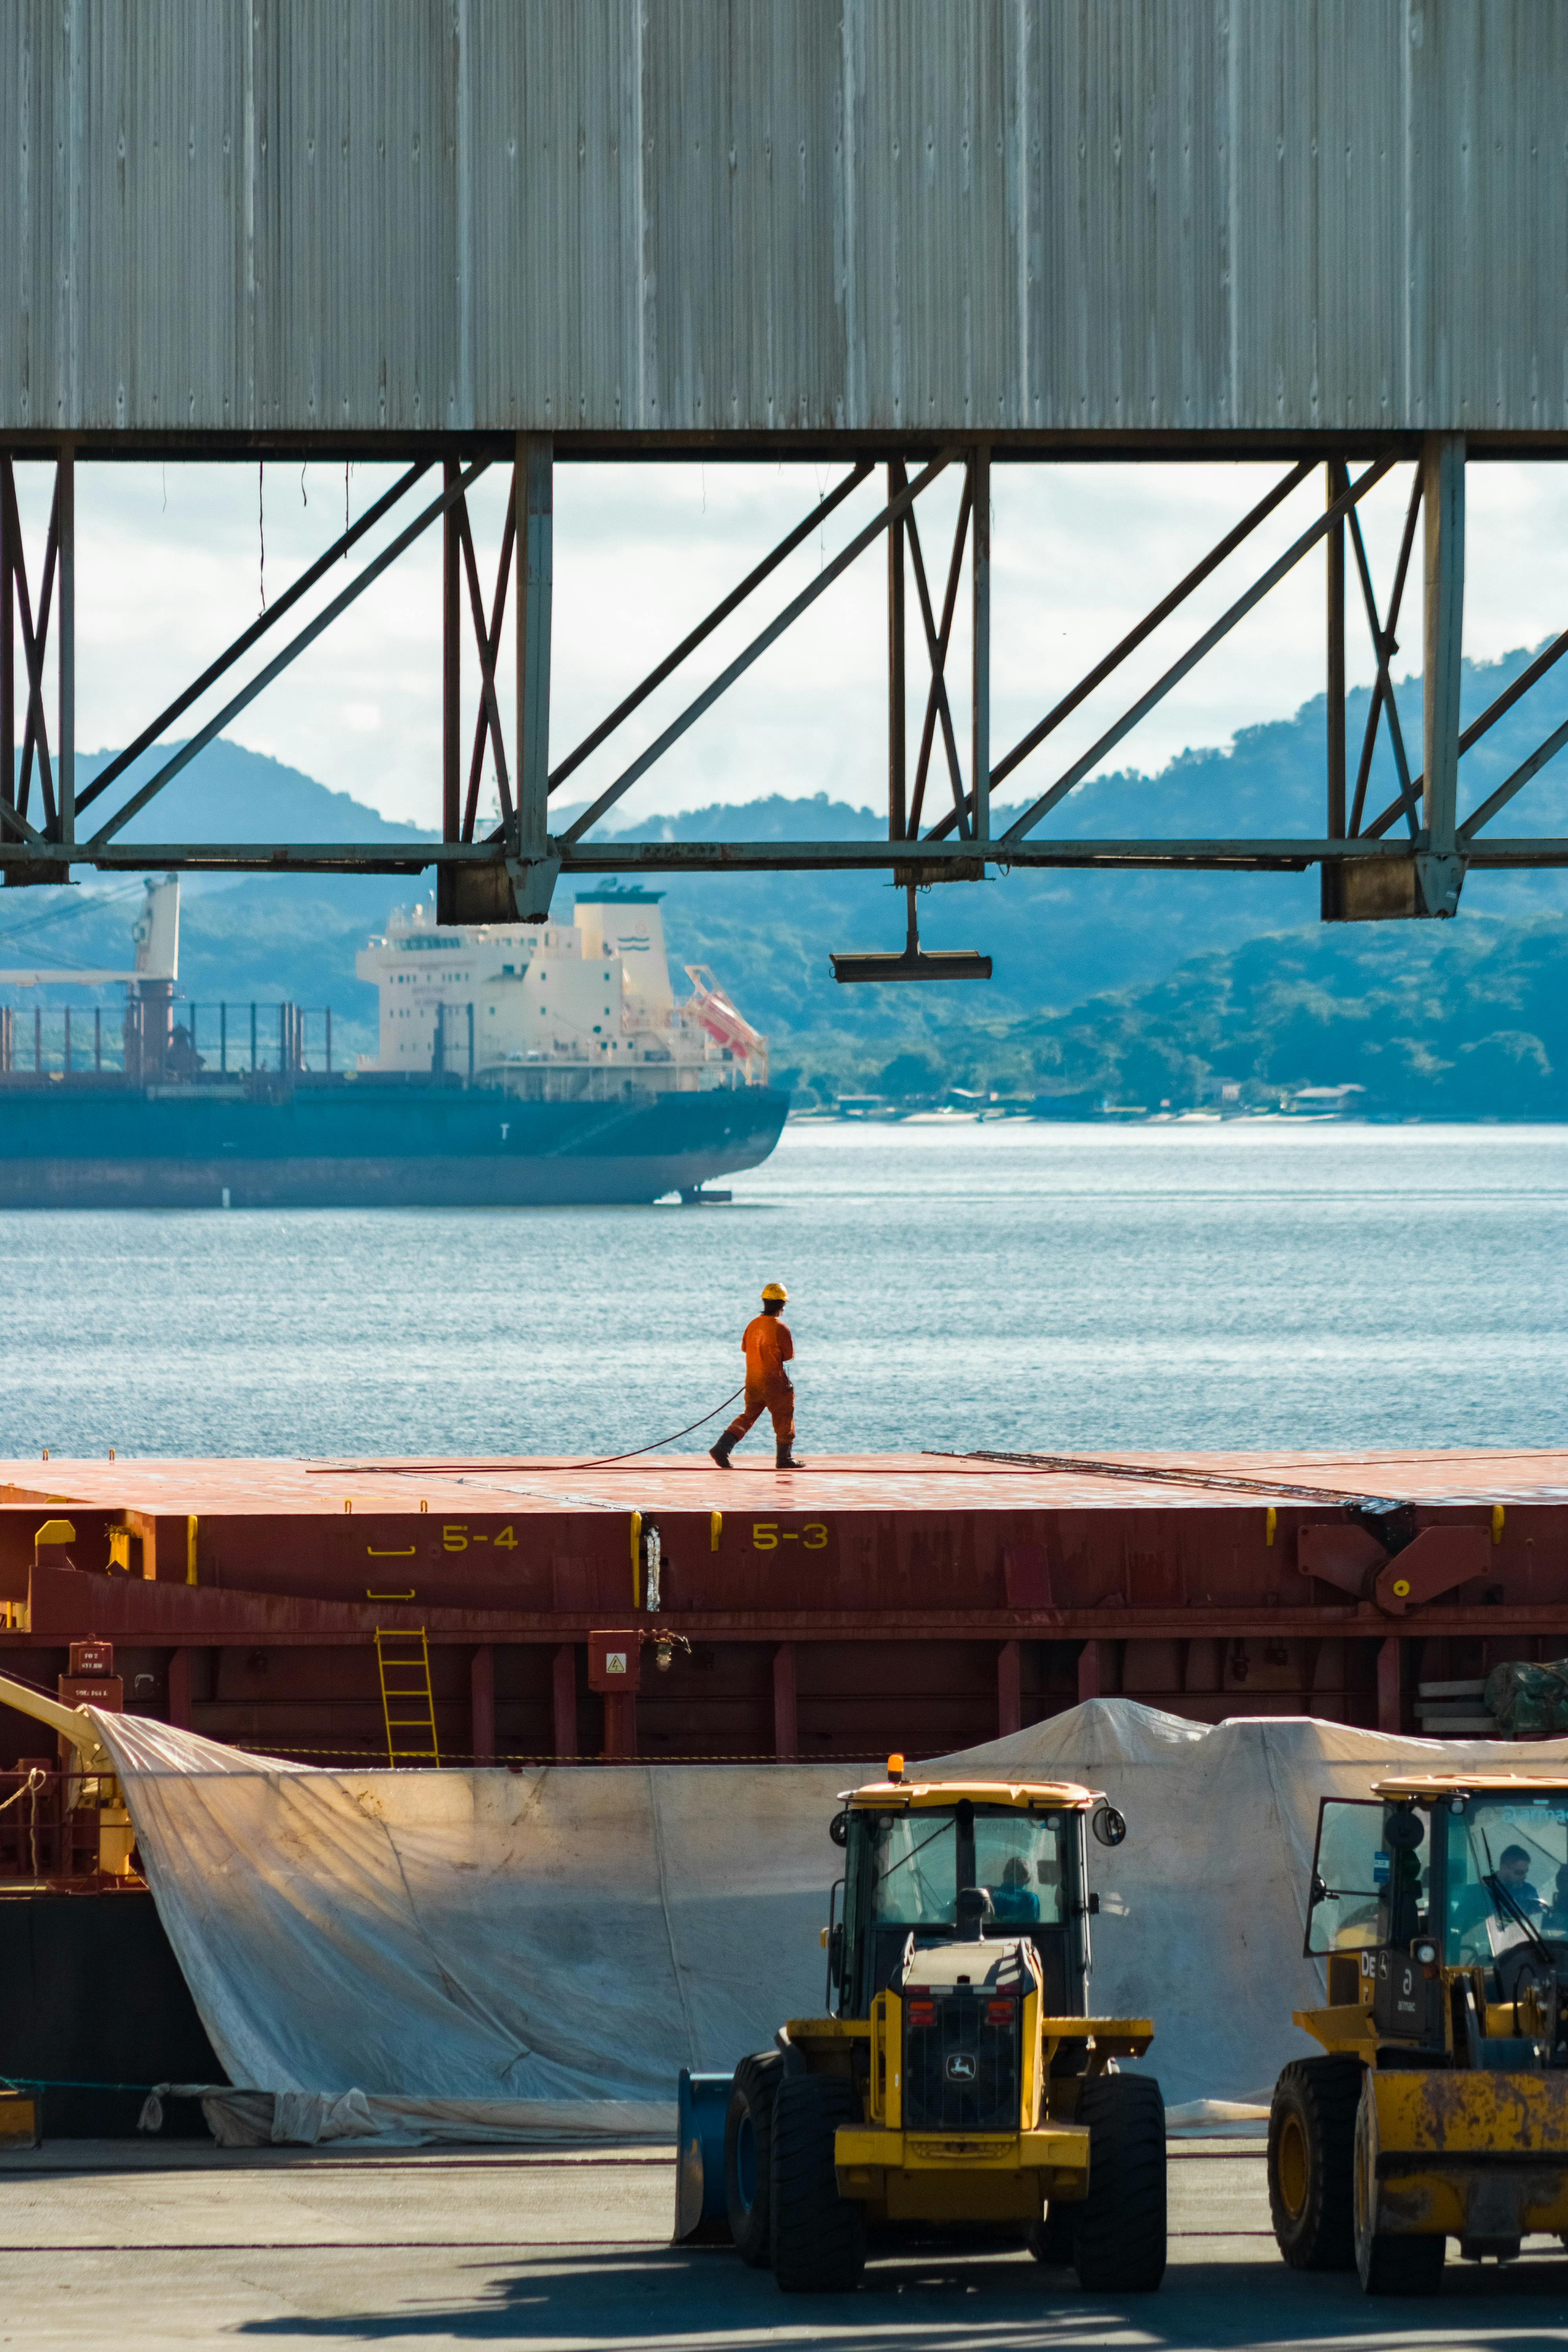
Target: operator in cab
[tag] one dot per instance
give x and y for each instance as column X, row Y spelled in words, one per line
column 1504, row 1894
column 1015, row 1902
column 768, row 1348
column 1512, row 1877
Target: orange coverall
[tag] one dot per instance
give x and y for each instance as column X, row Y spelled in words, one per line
column 768, row 1349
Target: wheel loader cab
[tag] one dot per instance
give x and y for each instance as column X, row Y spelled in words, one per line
column 936, row 1867
column 1503, row 1875
column 1439, row 1906
column 1445, row 1902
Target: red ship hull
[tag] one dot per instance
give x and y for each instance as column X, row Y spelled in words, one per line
column 923, row 1603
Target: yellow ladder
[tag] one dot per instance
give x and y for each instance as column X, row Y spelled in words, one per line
column 402, row 1661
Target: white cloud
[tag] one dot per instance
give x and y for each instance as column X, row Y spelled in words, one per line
column 170, row 567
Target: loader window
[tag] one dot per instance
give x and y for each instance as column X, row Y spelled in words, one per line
column 1016, row 1856
column 1507, row 1875
column 1350, row 1874
column 917, row 1870
column 905, row 1872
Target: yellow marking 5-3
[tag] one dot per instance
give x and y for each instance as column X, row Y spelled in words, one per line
column 767, row 1535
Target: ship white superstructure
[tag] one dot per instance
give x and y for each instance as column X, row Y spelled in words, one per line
column 549, row 1008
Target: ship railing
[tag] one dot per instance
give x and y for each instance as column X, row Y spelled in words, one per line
column 49, row 1038
column 293, row 1038
column 42, row 1836
column 163, row 1036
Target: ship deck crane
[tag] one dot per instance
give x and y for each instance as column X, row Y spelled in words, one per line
column 156, row 932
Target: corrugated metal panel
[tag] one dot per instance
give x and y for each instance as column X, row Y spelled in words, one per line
column 765, row 216
column 1314, row 109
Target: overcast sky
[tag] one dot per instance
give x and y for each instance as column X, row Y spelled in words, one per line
column 170, row 568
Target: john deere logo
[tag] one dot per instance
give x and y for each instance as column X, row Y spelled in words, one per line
column 959, row 2066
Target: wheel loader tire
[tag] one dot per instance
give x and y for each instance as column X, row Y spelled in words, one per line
column 1050, row 2241
column 749, row 2156
column 1402, row 2265
column 1388, row 2265
column 1312, row 2162
column 1119, row 2234
column 819, row 2237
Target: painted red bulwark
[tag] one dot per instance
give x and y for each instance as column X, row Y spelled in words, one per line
column 922, row 1602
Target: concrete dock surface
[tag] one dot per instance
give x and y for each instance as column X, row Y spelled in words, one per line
column 142, row 2244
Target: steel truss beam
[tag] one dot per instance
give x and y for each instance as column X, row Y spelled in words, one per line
column 516, row 865
column 247, row 637
column 34, row 642
column 937, row 640
column 488, row 637
column 280, row 662
column 892, row 512
column 1481, row 725
column 1211, row 636
column 1269, row 853
column 1386, row 645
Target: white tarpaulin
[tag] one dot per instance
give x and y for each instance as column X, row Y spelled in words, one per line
column 563, row 1938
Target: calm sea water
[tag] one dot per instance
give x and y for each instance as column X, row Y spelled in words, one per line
column 1013, row 1286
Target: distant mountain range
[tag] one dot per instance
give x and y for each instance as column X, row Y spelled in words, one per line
column 1128, row 985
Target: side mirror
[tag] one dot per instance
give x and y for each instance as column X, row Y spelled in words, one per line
column 1108, row 1825
column 836, row 1955
column 839, row 1829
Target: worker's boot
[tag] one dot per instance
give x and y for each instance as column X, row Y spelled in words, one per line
column 785, row 1458
column 723, row 1450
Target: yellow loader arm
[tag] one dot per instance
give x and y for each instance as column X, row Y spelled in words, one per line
column 73, row 1723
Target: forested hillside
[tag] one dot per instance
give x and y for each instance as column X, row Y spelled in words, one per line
column 1135, row 985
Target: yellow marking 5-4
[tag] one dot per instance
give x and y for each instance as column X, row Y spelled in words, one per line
column 767, row 1535
column 457, row 1535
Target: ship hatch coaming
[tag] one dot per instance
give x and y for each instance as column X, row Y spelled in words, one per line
column 924, row 1602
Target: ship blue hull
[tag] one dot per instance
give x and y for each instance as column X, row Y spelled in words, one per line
column 368, row 1145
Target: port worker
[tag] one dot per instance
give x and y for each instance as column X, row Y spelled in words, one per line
column 1504, row 1894
column 768, row 1348
column 1015, row 1900
column 1512, row 1877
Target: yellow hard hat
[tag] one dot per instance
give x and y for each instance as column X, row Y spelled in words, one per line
column 776, row 1290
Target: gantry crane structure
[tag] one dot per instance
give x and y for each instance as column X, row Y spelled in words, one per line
column 468, row 236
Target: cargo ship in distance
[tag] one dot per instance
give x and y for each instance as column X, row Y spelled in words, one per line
column 517, row 1064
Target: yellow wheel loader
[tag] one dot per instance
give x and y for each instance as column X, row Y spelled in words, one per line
column 956, row 2077
column 1440, row 2108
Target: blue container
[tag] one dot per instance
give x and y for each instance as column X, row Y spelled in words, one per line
column 702, row 2216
